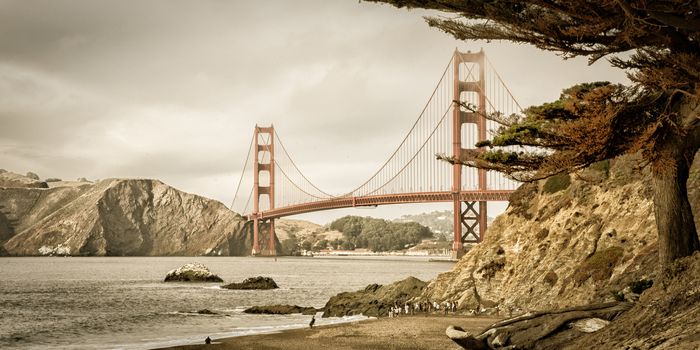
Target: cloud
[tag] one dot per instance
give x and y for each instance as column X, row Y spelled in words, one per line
column 173, row 90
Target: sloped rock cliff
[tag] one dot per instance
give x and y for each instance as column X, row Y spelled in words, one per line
column 566, row 241
column 10, row 179
column 118, row 217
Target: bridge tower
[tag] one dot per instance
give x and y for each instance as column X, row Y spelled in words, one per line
column 474, row 214
column 264, row 150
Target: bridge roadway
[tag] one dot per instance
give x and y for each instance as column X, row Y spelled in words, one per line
column 367, row 201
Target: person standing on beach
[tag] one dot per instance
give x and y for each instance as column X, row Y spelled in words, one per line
column 313, row 320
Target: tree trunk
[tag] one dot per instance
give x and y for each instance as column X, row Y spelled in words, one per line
column 674, row 217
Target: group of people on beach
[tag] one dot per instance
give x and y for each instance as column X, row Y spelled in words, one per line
column 425, row 306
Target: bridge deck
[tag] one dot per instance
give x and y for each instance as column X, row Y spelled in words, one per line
column 366, row 201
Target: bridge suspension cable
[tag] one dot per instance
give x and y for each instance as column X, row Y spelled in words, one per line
column 244, row 207
column 412, row 167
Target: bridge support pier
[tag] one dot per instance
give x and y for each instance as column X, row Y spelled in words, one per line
column 256, row 237
column 473, row 221
column 470, row 218
column 270, row 246
column 264, row 139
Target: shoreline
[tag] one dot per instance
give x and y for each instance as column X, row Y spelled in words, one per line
column 405, row 332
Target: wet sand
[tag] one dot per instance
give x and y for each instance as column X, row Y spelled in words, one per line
column 407, row 332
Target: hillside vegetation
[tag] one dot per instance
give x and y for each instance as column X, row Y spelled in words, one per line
column 377, row 234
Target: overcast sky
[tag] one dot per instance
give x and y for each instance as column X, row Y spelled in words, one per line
column 173, row 89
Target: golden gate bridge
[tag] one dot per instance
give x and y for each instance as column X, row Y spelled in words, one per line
column 273, row 186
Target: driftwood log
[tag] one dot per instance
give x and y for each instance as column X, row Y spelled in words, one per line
column 524, row 332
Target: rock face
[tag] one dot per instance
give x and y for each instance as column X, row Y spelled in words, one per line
column 280, row 310
column 374, row 300
column 253, row 283
column 118, row 218
column 194, row 272
column 563, row 242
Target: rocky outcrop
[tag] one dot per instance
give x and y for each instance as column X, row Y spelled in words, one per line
column 253, row 283
column 10, row 179
column 194, row 272
column 119, row 217
column 566, row 241
column 375, row 300
column 280, row 310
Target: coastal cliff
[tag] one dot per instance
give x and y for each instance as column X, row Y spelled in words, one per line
column 566, row 241
column 117, row 217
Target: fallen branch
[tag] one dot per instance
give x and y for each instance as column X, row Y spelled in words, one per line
column 525, row 331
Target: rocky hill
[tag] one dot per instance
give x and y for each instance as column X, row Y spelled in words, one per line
column 10, row 179
column 304, row 230
column 116, row 218
column 566, row 241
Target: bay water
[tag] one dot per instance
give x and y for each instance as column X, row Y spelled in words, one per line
column 123, row 303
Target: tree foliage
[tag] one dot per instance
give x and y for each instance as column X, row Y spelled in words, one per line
column 656, row 42
column 589, row 122
column 377, row 234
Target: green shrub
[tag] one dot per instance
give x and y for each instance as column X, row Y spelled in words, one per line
column 603, row 166
column 598, row 266
column 557, row 183
column 640, row 286
column 520, row 200
column 489, row 270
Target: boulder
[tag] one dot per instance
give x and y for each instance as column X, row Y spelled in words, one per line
column 280, row 310
column 374, row 300
column 194, row 272
column 258, row 282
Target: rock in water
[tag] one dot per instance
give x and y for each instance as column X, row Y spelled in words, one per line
column 253, row 283
column 280, row 310
column 194, row 272
column 206, row 312
column 374, row 300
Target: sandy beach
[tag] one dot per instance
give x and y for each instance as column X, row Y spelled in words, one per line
column 408, row 332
